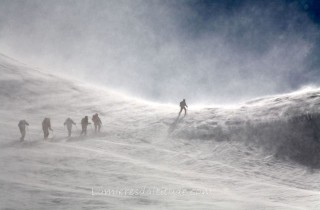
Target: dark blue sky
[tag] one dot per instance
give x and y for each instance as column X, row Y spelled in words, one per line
column 311, row 7
column 209, row 7
column 283, row 20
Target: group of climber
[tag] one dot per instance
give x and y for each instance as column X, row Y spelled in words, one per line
column 46, row 126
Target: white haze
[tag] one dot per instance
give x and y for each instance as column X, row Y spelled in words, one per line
column 165, row 50
column 256, row 156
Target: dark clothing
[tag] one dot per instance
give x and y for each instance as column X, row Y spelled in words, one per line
column 46, row 126
column 84, row 125
column 183, row 106
column 97, row 122
column 69, row 122
column 22, row 127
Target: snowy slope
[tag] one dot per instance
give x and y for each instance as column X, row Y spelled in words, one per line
column 262, row 154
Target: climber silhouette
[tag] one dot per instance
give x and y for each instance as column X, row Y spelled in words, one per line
column 183, row 106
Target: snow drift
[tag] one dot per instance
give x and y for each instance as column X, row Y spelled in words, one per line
column 287, row 127
column 258, row 155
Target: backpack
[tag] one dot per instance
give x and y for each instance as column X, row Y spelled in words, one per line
column 84, row 121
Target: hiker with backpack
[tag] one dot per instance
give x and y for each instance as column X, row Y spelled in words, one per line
column 22, row 126
column 84, row 125
column 46, row 126
column 69, row 122
column 183, row 106
column 97, row 122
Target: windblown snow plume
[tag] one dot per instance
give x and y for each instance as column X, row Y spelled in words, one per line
column 209, row 51
column 263, row 154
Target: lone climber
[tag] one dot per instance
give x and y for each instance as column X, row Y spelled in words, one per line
column 183, row 106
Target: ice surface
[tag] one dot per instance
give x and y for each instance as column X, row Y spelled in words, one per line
column 262, row 154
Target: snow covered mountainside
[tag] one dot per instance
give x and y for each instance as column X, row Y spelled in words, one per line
column 263, row 154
